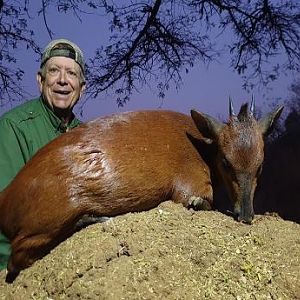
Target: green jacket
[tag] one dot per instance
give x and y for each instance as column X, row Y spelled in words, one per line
column 23, row 131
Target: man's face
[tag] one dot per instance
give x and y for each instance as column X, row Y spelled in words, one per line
column 61, row 86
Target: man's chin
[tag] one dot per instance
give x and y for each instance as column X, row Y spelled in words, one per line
column 62, row 103
column 62, row 110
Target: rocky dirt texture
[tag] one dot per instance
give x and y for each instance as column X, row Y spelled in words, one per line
column 169, row 253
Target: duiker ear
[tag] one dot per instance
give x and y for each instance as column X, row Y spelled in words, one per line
column 207, row 125
column 267, row 123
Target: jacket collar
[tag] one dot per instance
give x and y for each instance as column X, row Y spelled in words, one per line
column 56, row 122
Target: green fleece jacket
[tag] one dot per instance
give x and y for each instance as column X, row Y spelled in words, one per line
column 23, row 131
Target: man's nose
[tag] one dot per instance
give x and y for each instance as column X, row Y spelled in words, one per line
column 62, row 77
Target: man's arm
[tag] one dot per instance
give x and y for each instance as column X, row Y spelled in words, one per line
column 11, row 152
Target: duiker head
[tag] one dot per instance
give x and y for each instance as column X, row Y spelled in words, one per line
column 240, row 152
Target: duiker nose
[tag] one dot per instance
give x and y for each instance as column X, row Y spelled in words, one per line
column 245, row 218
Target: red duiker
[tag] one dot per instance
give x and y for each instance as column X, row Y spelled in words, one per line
column 125, row 163
column 239, row 153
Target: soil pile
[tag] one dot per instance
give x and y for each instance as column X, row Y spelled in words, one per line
column 169, row 253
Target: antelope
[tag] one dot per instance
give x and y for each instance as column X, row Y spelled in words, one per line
column 130, row 162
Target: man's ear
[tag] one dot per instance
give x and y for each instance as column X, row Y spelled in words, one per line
column 40, row 79
column 83, row 87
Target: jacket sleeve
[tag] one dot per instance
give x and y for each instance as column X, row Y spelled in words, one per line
column 11, row 152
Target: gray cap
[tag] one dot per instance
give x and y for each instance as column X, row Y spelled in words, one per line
column 63, row 47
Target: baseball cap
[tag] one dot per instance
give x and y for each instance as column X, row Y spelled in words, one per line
column 63, row 47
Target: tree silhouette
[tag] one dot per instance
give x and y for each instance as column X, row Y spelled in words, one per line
column 279, row 183
column 14, row 33
column 155, row 40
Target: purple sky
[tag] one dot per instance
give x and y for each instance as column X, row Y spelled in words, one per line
column 205, row 89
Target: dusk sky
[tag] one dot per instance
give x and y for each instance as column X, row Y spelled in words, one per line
column 204, row 88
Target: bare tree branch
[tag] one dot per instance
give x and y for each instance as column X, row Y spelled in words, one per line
column 154, row 41
column 44, row 12
column 148, row 40
column 13, row 33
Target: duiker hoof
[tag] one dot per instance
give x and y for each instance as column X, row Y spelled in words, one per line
column 198, row 203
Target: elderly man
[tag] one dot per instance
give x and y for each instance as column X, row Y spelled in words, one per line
column 30, row 126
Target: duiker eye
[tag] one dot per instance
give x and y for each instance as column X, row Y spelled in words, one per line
column 226, row 164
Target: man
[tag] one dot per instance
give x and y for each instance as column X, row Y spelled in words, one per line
column 30, row 126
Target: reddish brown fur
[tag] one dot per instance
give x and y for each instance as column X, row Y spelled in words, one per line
column 110, row 166
column 125, row 163
column 241, row 144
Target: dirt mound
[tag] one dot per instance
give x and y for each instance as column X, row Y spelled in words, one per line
column 169, row 253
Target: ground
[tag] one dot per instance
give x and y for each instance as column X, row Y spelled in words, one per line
column 169, row 253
